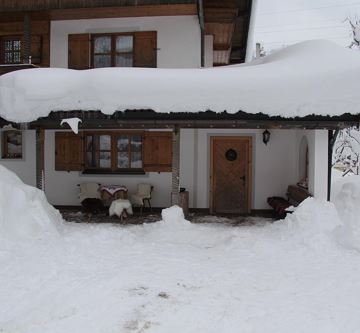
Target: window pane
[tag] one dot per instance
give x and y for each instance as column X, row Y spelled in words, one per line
column 17, row 56
column 123, row 143
column 124, row 60
column 105, row 142
column 136, row 143
column 136, row 161
column 89, row 143
column 17, row 45
column 8, row 46
column 8, row 59
column 105, row 160
column 123, row 160
column 102, row 61
column 124, row 44
column 91, row 159
column 102, row 44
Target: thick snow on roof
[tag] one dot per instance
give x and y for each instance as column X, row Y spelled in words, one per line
column 314, row 77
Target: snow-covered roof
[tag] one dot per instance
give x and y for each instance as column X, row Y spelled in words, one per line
column 313, row 77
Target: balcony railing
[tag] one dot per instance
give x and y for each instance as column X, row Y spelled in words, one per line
column 14, row 67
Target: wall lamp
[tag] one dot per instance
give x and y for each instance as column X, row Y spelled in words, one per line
column 266, row 136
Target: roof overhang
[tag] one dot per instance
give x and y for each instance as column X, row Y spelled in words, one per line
column 145, row 119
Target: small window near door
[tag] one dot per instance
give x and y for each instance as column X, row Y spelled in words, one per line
column 114, row 152
column 10, row 50
column 12, row 144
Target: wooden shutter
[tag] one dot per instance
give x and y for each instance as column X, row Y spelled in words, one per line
column 36, row 49
column 145, row 50
column 79, row 51
column 69, row 151
column 157, row 151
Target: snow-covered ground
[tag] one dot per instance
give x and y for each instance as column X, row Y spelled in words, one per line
column 297, row 275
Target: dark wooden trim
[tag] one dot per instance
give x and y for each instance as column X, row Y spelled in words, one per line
column 102, row 12
column 116, row 172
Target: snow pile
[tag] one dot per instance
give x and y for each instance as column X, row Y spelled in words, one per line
column 173, row 214
column 347, row 202
column 314, row 77
column 24, row 210
column 313, row 223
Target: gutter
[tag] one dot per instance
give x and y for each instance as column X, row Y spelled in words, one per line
column 332, row 135
column 200, row 6
column 250, row 45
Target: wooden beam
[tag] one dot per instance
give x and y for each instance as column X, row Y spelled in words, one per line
column 40, row 159
column 120, row 124
column 175, row 178
column 103, row 12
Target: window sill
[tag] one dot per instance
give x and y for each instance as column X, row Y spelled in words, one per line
column 116, row 172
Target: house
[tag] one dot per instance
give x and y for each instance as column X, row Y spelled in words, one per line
column 225, row 160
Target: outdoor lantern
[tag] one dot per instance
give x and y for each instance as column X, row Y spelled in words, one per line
column 266, row 136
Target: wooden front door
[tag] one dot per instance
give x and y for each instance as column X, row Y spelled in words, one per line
column 230, row 175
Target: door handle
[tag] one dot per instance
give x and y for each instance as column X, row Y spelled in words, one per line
column 243, row 178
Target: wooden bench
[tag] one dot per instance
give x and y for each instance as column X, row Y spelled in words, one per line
column 295, row 195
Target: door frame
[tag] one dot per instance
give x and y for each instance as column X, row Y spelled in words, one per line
column 247, row 139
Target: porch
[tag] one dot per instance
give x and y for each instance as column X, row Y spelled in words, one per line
column 297, row 150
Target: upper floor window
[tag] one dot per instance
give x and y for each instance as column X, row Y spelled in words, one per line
column 10, row 48
column 113, row 50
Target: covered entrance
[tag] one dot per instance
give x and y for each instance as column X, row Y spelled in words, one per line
column 230, row 174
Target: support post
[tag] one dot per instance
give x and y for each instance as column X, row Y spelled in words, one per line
column 332, row 135
column 202, row 30
column 175, row 179
column 27, row 40
column 40, row 159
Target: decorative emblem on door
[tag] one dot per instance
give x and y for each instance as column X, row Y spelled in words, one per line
column 231, row 155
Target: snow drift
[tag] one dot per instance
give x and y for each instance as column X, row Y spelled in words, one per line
column 346, row 198
column 314, row 77
column 24, row 210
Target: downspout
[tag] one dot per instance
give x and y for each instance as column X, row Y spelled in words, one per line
column 202, row 30
column 332, row 135
column 27, row 39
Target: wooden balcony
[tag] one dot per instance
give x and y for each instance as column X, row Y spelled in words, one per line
column 14, row 67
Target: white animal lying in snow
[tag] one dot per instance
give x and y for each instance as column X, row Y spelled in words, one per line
column 119, row 207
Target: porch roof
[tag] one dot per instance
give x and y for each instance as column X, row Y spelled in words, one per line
column 314, row 82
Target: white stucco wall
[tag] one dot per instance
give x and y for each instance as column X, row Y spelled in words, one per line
column 274, row 164
column 318, row 160
column 25, row 168
column 209, row 51
column 61, row 186
column 178, row 37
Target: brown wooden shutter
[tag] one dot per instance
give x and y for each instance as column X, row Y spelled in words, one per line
column 69, row 151
column 79, row 51
column 157, row 151
column 145, row 51
column 36, row 49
